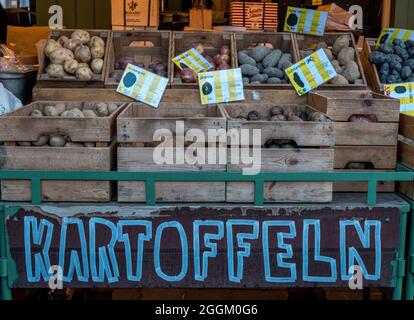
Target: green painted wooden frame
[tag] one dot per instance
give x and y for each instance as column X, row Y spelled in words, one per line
column 150, row 178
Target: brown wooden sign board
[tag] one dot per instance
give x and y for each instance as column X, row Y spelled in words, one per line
column 202, row 247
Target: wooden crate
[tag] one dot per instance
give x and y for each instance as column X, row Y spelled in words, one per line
column 254, row 15
column 70, row 81
column 281, row 40
column 313, row 154
column 20, row 127
column 307, row 42
column 371, row 71
column 406, row 128
column 136, row 128
column 143, row 46
column 68, row 159
column 372, row 144
column 201, row 19
column 341, row 106
column 144, row 13
column 183, row 41
column 406, row 158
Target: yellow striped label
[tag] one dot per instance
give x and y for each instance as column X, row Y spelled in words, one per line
column 388, row 35
column 221, row 86
column 404, row 92
column 310, row 72
column 142, row 85
column 307, row 21
column 192, row 59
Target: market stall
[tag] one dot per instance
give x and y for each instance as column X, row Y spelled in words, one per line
column 263, row 154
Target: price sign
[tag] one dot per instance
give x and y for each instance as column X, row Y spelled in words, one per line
column 404, row 92
column 311, row 72
column 192, row 59
column 388, row 35
column 142, row 85
column 300, row 20
column 221, row 86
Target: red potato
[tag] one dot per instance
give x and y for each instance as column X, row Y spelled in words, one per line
column 188, row 76
column 225, row 50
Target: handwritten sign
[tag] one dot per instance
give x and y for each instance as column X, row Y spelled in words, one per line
column 192, row 59
column 221, row 86
column 388, row 35
column 142, row 85
column 300, row 20
column 404, row 92
column 311, row 72
column 209, row 247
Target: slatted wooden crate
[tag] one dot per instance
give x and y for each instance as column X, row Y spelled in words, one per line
column 143, row 46
column 406, row 151
column 98, row 80
column 370, row 69
column 373, row 145
column 406, row 158
column 136, row 128
column 20, row 127
column 281, row 40
column 254, row 15
column 183, row 41
column 307, row 42
column 312, row 154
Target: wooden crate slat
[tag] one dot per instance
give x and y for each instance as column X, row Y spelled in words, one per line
column 382, row 158
column 366, row 134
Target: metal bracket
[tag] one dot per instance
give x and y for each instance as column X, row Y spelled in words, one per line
column 3, row 268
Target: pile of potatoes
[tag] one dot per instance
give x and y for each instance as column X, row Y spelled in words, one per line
column 343, row 58
column 283, row 113
column 57, row 141
column 100, row 109
column 264, row 64
column 81, row 55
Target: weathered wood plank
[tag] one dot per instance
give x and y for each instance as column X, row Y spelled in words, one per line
column 341, row 106
column 20, row 126
column 282, row 192
column 290, row 160
column 174, row 191
column 380, row 157
column 366, row 134
column 139, row 122
column 407, row 126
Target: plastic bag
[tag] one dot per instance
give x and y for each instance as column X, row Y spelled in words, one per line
column 338, row 18
column 8, row 101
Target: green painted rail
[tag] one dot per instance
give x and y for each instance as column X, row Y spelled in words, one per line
column 150, row 178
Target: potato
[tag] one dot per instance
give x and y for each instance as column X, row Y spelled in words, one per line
column 72, row 44
column 63, row 40
column 60, row 108
column 346, row 55
column 51, row 45
column 83, row 54
column 101, row 109
column 96, row 41
column 97, row 52
column 42, row 141
column 57, row 141
column 74, row 145
column 36, row 114
column 84, row 73
column 50, row 111
column 341, row 43
column 97, row 65
column 90, row 144
column 339, row 79
column 89, row 114
column 82, row 35
column 77, row 113
column 83, row 65
column 71, row 66
column 61, row 55
column 112, row 108
column 24, row 144
column 55, row 71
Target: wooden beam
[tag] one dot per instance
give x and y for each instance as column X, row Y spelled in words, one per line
column 386, row 13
